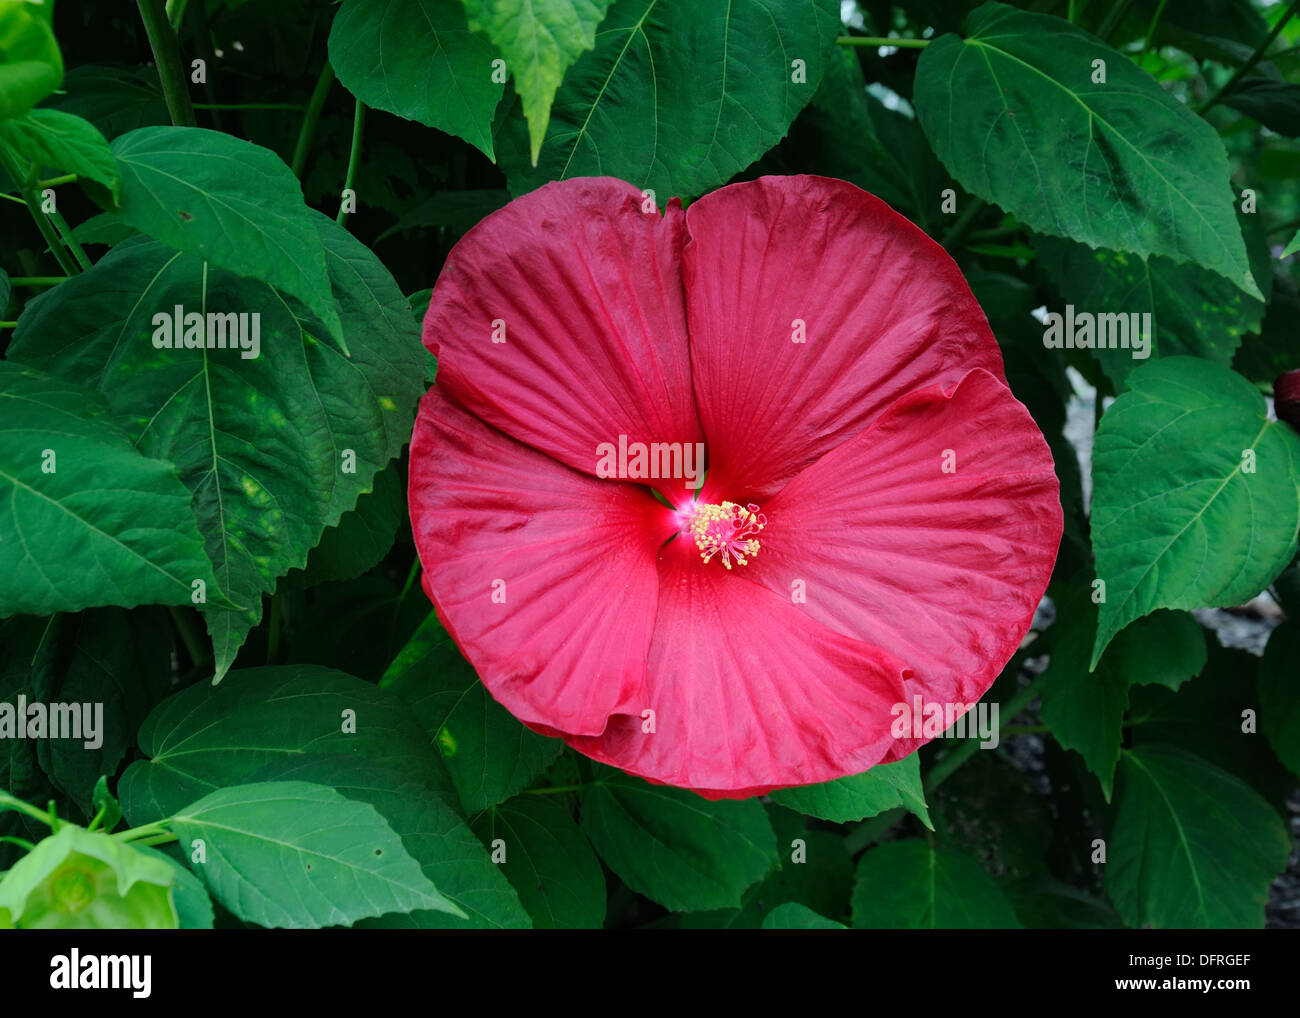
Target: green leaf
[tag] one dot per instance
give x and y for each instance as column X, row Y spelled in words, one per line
column 362, row 537
column 234, row 204
column 437, row 838
column 87, row 519
column 489, row 754
column 540, row 40
column 1013, row 113
column 104, row 802
column 1085, row 710
column 118, row 661
column 273, row 448
column 914, row 885
column 813, row 869
column 193, row 906
column 548, row 860
column 685, row 852
column 1275, row 104
column 293, row 854
column 204, row 738
column 1291, row 248
column 62, row 141
column 679, row 98
column 1193, row 311
column 793, row 916
column 1195, row 501
column 1279, row 694
column 114, row 99
column 418, row 59
column 863, row 795
column 82, row 880
column 1192, row 846
column 30, row 64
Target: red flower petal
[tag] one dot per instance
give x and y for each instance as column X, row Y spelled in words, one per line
column 588, row 289
column 943, row 570
column 568, row 646
column 884, row 308
column 749, row 693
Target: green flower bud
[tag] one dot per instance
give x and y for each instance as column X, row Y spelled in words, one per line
column 79, row 879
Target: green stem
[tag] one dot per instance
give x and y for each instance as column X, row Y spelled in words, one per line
column 70, row 241
column 555, row 789
column 877, row 41
column 943, row 770
column 13, row 197
column 146, row 831
column 167, row 55
column 8, row 325
column 410, row 577
column 1255, row 58
column 32, row 200
column 8, row 801
column 354, row 159
column 1114, row 19
column 20, row 842
column 1151, row 29
column 157, row 839
column 67, row 178
column 314, row 106
column 959, row 228
column 38, row 280
column 189, row 635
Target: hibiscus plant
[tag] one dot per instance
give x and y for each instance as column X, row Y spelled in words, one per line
column 647, row 463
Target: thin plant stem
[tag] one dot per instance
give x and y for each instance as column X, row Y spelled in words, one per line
column 354, row 159
column 1255, row 58
column 878, row 41
column 308, row 130
column 167, row 55
column 32, row 201
column 1151, row 29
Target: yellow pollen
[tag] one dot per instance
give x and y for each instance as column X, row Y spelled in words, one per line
column 728, row 529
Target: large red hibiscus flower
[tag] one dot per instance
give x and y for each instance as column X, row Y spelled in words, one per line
column 879, row 516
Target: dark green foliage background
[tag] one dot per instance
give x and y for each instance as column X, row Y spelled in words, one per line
column 1147, row 775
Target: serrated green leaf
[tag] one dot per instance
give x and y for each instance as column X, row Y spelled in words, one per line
column 685, row 852
column 437, row 838
column 793, row 916
column 549, row 861
column 845, row 800
column 361, row 538
column 1193, row 311
column 273, row 448
column 418, row 59
column 1192, row 846
column 1085, row 710
column 1013, row 113
column 912, row 885
column 65, row 142
column 1195, row 498
column 204, row 738
column 679, row 98
column 294, row 854
column 540, row 40
column 88, row 519
column 234, row 204
column 489, row 754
